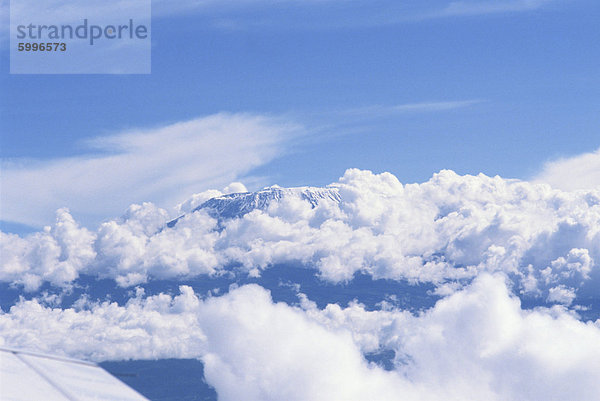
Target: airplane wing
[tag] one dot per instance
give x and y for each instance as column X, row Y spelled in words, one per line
column 27, row 376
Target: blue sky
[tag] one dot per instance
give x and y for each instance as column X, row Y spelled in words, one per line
column 250, row 93
column 408, row 87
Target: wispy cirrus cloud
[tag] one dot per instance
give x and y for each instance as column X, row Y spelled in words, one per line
column 340, row 13
column 421, row 107
column 166, row 164
column 163, row 164
column 459, row 8
column 257, row 14
column 437, row 8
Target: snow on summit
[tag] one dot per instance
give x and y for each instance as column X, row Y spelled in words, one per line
column 238, row 204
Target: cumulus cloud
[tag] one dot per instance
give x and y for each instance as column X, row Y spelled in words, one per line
column 445, row 230
column 561, row 294
column 476, row 344
column 58, row 254
column 163, row 165
column 581, row 172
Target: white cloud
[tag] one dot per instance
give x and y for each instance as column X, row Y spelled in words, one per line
column 235, row 187
column 163, row 165
column 561, row 294
column 458, row 8
column 230, row 14
column 58, row 254
column 73, row 11
column 449, row 8
column 378, row 111
column 573, row 173
column 405, row 11
column 448, row 228
column 475, row 344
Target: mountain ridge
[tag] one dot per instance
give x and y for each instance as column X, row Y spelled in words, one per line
column 238, row 204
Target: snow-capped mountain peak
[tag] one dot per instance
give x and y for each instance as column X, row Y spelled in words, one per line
column 238, row 204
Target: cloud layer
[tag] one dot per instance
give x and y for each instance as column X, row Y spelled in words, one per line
column 475, row 344
column 480, row 240
column 444, row 231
